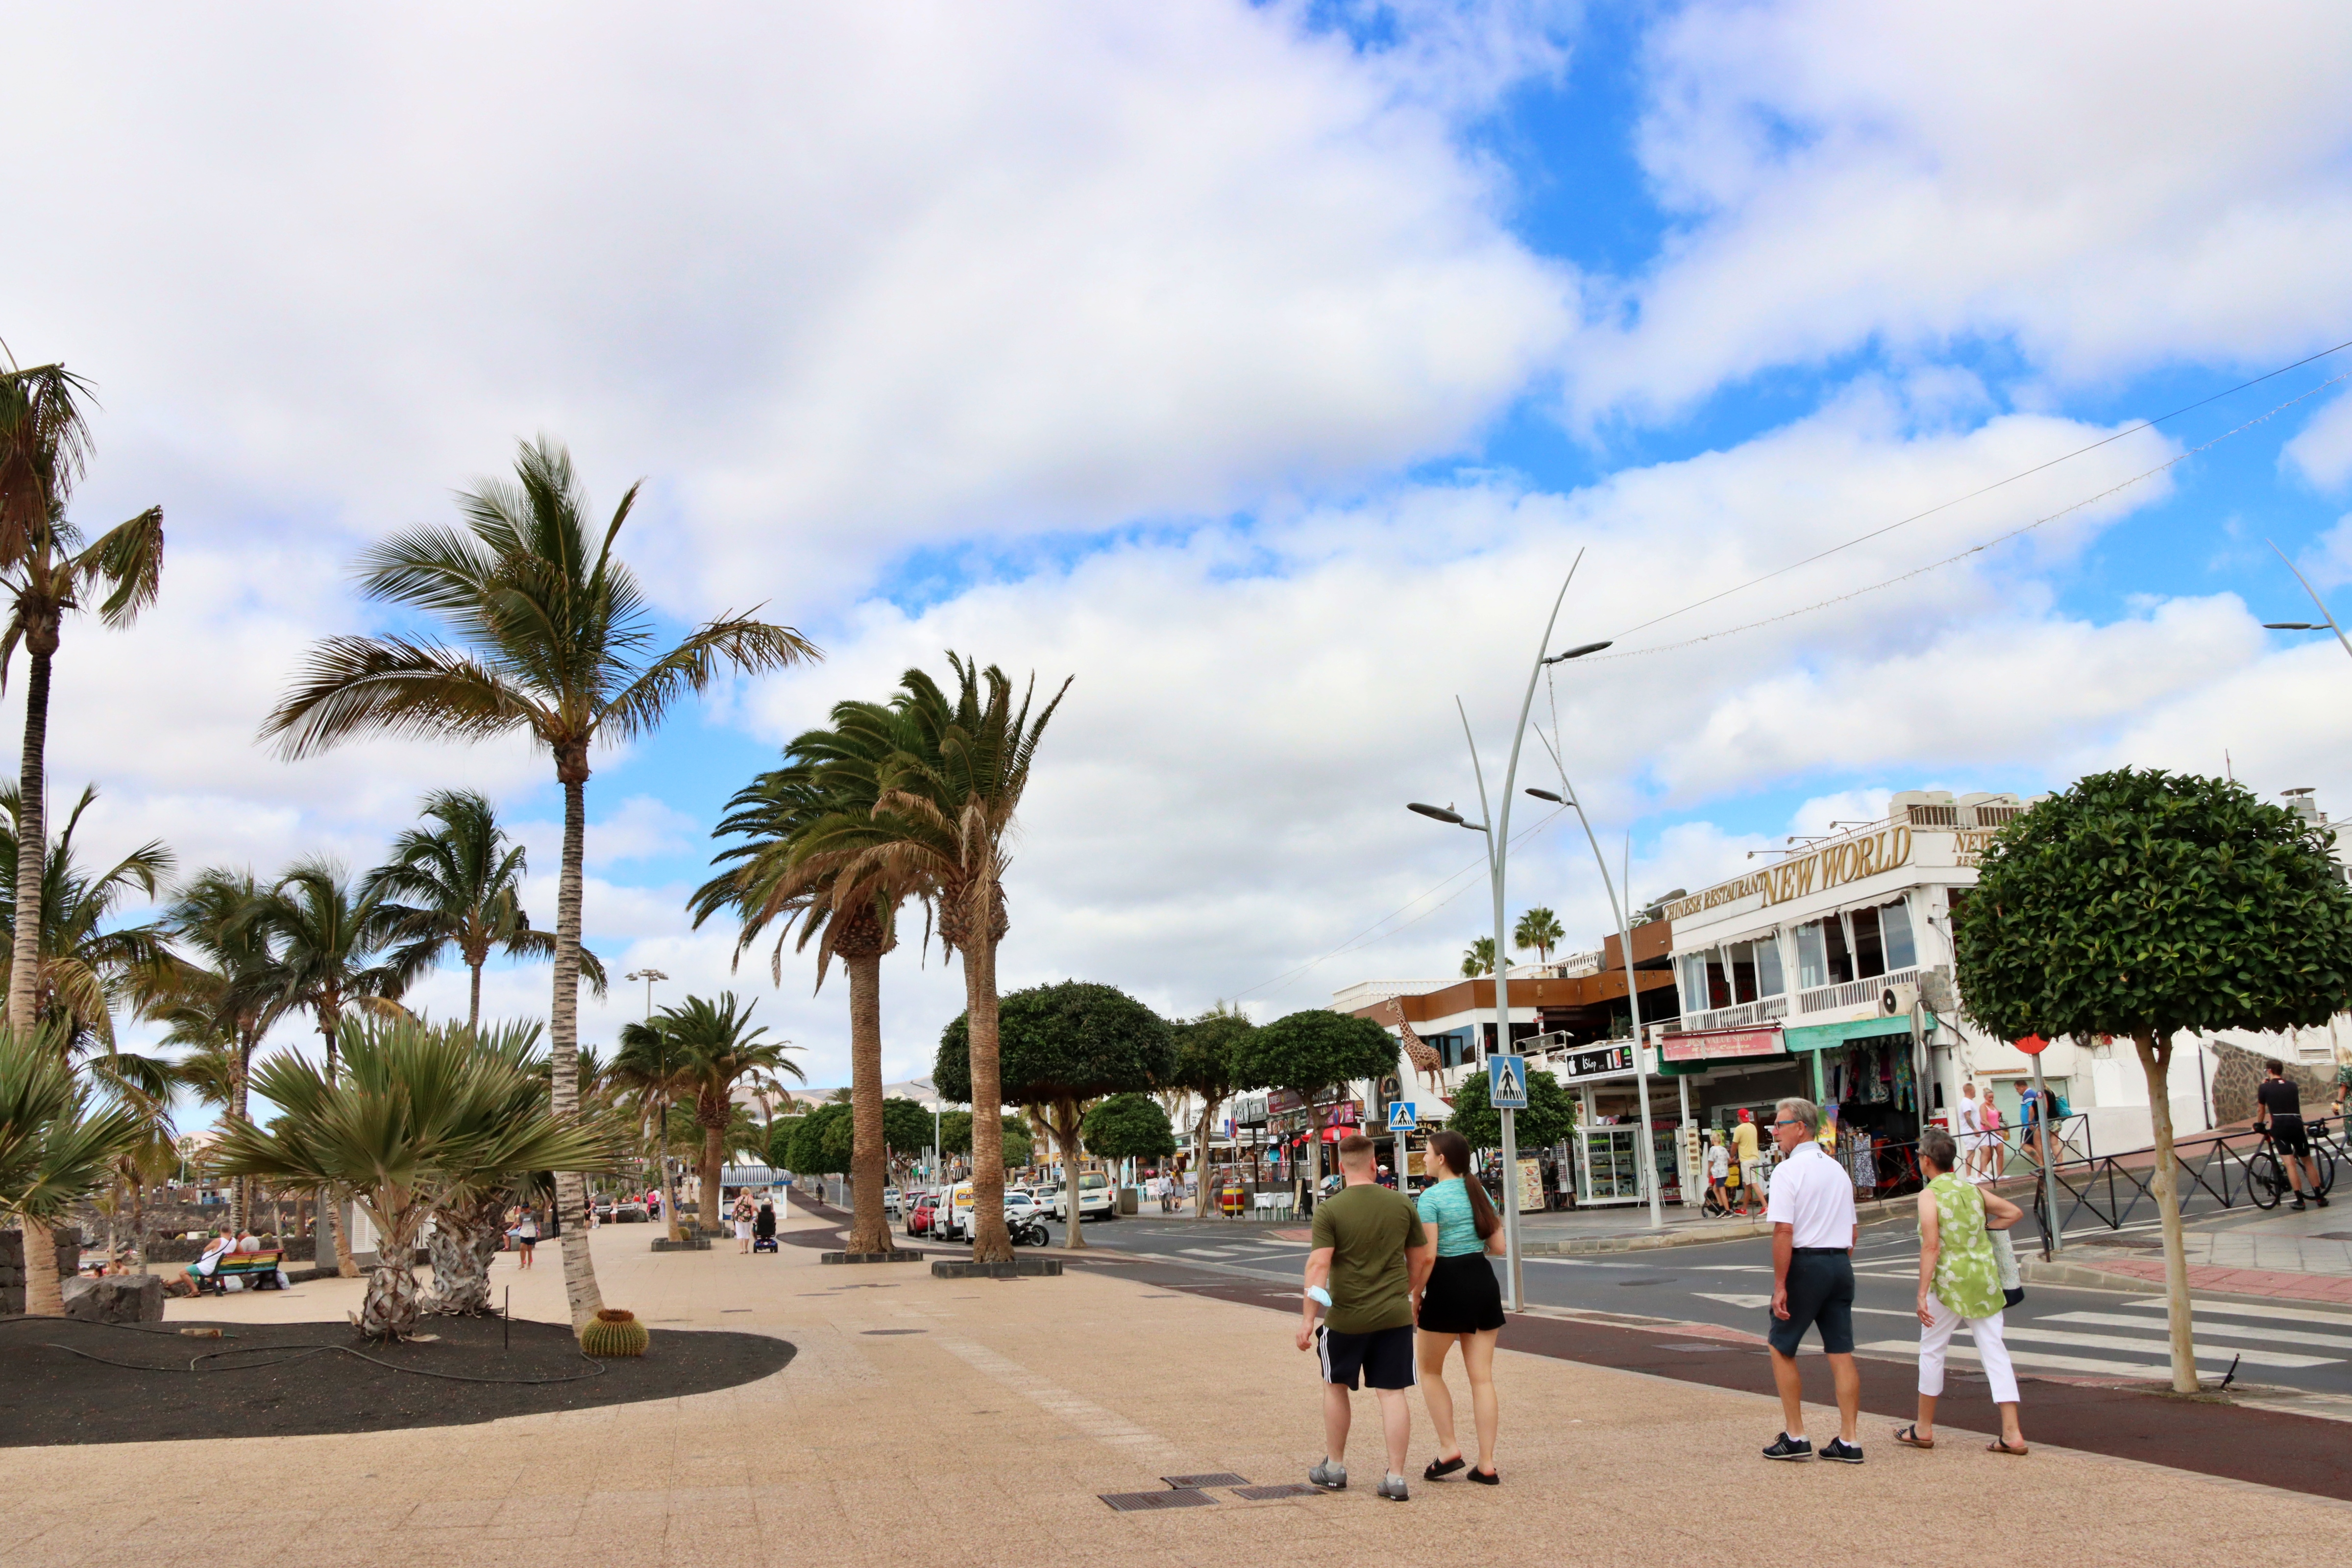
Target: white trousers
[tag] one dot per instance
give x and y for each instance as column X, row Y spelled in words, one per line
column 1991, row 1354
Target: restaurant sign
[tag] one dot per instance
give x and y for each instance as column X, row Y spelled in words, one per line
column 1832, row 865
column 1720, row 1044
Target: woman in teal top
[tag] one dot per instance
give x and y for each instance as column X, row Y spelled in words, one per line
column 1959, row 1282
column 1459, row 1301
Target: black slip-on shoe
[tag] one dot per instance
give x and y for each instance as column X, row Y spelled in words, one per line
column 1788, row 1448
column 1486, row 1478
column 1440, row 1468
column 1840, row 1451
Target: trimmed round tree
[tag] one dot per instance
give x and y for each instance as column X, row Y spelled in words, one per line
column 2142, row 904
column 1315, row 1055
column 1208, row 1064
column 1061, row 1047
column 1128, row 1127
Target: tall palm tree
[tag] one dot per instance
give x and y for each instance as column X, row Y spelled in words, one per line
column 782, row 875
column 718, row 1049
column 85, row 961
column 650, row 1071
column 948, row 796
column 461, row 883
column 558, row 643
column 1538, row 929
column 331, row 941
column 222, row 994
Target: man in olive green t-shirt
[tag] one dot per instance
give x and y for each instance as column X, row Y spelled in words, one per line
column 1370, row 1250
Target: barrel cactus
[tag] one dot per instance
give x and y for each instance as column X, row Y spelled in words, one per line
column 615, row 1333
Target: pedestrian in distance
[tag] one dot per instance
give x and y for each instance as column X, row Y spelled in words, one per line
column 1995, row 1152
column 526, row 1236
column 1972, row 1134
column 1814, row 1226
column 2278, row 1110
column 1718, row 1172
column 743, row 1214
column 2029, row 1121
column 1959, row 1282
column 1743, row 1144
column 1370, row 1252
column 1459, row 1303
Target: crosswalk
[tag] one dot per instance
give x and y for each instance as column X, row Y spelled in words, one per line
column 2130, row 1340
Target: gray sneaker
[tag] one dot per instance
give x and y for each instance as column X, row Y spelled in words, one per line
column 1330, row 1476
column 1392, row 1489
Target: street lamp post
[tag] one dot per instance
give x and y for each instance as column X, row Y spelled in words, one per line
column 2327, row 622
column 1649, row 1155
column 661, row 1133
column 1497, row 825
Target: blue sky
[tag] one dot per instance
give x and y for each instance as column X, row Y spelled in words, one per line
column 1263, row 367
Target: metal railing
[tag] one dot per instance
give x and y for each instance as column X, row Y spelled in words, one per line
column 2110, row 1189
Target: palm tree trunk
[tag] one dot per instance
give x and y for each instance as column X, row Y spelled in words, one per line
column 334, row 1205
column 241, row 1197
column 714, row 1155
column 43, row 1296
column 870, row 1228
column 991, row 1242
column 564, row 1032
column 389, row 1310
column 462, row 1244
column 474, row 1001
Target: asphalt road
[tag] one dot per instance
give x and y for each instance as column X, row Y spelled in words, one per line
column 2058, row 1330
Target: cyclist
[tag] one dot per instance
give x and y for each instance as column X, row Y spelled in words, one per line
column 2278, row 1111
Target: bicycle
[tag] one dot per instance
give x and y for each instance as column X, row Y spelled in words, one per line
column 2266, row 1177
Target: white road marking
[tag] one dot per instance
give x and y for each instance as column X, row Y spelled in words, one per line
column 2223, row 1330
column 1733, row 1299
column 2032, row 1334
column 2281, row 1314
column 1956, row 1351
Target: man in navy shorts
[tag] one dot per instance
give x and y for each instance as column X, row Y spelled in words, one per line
column 1811, row 1213
column 1370, row 1248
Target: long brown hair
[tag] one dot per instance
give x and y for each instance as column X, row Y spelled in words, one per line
column 1454, row 1149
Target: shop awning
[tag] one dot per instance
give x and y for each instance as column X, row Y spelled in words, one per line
column 1827, row 1037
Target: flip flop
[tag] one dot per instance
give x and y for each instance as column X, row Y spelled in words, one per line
column 2005, row 1448
column 1909, row 1437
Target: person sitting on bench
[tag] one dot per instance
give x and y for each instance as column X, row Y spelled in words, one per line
column 216, row 1249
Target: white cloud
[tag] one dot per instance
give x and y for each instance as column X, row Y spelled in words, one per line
column 2110, row 194
column 2329, row 560
column 2322, row 451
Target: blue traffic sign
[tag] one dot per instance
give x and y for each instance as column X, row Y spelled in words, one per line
column 1506, row 1082
column 1405, row 1116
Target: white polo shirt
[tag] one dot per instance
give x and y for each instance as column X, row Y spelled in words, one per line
column 1814, row 1197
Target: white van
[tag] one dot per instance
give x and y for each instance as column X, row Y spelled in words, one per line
column 1098, row 1199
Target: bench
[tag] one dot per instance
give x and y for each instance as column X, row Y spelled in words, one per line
column 258, row 1270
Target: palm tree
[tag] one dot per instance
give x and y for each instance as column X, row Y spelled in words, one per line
column 1538, row 929
column 1478, row 958
column 461, row 883
column 557, row 643
column 85, row 961
column 419, row 1119
column 467, row 1229
column 714, row 1050
column 56, row 1145
column 943, row 818
column 831, row 778
column 650, row 1069
column 329, row 940
column 48, row 570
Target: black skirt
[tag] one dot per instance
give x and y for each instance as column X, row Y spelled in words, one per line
column 1462, row 1296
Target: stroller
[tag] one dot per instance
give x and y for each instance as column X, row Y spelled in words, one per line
column 764, row 1229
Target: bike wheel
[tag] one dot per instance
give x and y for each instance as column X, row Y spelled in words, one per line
column 2264, row 1181
column 2325, row 1162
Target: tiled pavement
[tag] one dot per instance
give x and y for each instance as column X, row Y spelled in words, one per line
column 985, row 1434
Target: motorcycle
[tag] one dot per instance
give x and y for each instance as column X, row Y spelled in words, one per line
column 1027, row 1230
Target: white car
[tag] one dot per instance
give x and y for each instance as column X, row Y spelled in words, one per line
column 1019, row 1203
column 891, row 1198
column 1098, row 1199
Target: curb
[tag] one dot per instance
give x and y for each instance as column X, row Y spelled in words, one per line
column 964, row 1268
column 870, row 1257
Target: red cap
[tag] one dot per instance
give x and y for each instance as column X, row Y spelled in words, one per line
column 1746, row 1115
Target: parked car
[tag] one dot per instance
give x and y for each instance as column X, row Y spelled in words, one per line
column 1017, row 1202
column 891, row 1198
column 1098, row 1199
column 919, row 1217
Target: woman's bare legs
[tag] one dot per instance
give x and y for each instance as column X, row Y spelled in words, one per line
column 1432, row 1349
column 1478, row 1360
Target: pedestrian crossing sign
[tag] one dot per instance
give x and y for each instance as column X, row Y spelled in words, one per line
column 1506, row 1082
column 1405, row 1116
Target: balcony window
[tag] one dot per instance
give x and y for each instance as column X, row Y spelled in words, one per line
column 1743, row 970
column 1718, row 980
column 1812, row 960
column 1769, row 981
column 1869, row 949
column 1895, row 931
column 1690, row 967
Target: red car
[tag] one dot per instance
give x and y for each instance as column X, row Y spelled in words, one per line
column 919, row 1216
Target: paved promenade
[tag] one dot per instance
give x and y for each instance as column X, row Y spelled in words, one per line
column 948, row 1421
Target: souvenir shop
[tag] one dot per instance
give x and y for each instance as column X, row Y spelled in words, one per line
column 1865, row 1078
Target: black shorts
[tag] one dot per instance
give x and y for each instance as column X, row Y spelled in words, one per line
column 1384, row 1357
column 1461, row 1297
column 2291, row 1136
column 1820, row 1291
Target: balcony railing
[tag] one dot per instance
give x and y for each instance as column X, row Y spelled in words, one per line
column 1854, row 993
column 1761, row 1011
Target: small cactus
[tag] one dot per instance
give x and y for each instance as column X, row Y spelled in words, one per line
column 615, row 1333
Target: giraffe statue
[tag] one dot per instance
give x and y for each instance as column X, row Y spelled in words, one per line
column 1425, row 1060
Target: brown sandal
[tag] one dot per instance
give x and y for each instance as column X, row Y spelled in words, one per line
column 1909, row 1437
column 1997, row 1448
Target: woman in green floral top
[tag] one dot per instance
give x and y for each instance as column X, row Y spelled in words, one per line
column 1959, row 1282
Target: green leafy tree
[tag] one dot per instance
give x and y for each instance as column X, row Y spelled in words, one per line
column 1315, row 1055
column 459, row 884
column 1478, row 958
column 1061, row 1047
column 781, row 1132
column 553, row 640
column 58, row 1143
column 417, row 1118
column 1012, row 1135
column 1129, row 1127
column 824, row 1141
column 906, row 1128
column 1550, row 1116
column 1538, row 929
column 2141, row 904
column 1208, row 1065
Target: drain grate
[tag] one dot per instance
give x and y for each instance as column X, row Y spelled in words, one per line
column 1219, row 1478
column 871, row 1332
column 1144, row 1503
column 1268, row 1494
column 1698, row 1347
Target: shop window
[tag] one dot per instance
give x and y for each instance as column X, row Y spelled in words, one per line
column 1813, row 959
column 1869, row 951
column 1895, row 931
